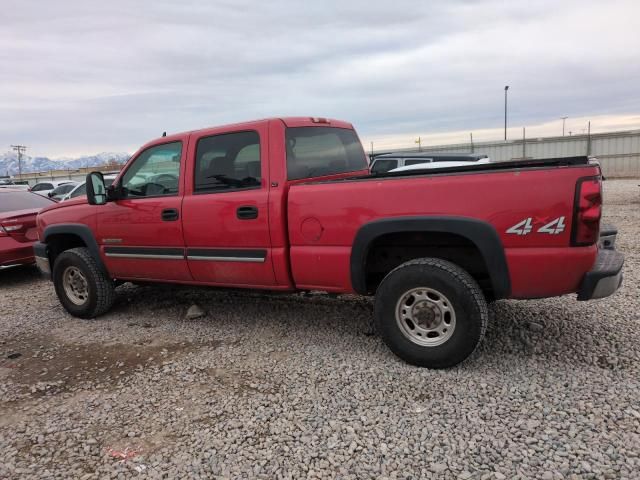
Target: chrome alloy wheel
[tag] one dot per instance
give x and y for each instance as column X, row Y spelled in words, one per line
column 426, row 317
column 75, row 285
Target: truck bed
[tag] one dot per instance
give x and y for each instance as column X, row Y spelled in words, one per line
column 324, row 218
column 498, row 166
column 480, row 168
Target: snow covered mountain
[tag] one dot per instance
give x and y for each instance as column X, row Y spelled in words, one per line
column 9, row 162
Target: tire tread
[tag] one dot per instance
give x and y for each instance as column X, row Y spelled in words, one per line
column 105, row 291
column 462, row 276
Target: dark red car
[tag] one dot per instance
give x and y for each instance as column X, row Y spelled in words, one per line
column 18, row 211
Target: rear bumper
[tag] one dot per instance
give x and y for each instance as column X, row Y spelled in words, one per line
column 605, row 277
column 608, row 235
column 42, row 258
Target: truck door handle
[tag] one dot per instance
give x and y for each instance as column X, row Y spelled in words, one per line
column 247, row 212
column 170, row 214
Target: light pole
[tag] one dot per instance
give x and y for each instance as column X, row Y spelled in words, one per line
column 506, row 87
column 563, row 119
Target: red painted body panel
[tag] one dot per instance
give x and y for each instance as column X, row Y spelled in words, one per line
column 74, row 211
column 307, row 228
column 13, row 252
column 18, row 229
column 500, row 198
column 210, row 220
column 548, row 272
column 138, row 223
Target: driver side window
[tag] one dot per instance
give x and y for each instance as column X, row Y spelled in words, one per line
column 156, row 172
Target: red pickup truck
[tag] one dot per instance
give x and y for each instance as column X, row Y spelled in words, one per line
column 288, row 204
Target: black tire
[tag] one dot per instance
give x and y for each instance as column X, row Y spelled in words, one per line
column 461, row 292
column 99, row 287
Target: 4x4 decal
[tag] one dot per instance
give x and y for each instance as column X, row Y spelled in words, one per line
column 554, row 227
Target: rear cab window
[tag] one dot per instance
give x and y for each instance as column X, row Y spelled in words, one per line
column 322, row 151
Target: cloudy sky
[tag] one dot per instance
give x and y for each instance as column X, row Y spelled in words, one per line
column 80, row 77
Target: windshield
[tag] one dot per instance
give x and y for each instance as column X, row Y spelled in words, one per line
column 320, row 151
column 16, row 200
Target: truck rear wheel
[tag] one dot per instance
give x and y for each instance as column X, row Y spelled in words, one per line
column 81, row 285
column 430, row 313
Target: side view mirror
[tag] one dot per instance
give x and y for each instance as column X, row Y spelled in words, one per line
column 50, row 194
column 96, row 191
column 116, row 192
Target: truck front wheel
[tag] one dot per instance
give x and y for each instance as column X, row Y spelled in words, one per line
column 82, row 287
column 430, row 313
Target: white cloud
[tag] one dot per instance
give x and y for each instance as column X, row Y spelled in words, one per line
column 83, row 76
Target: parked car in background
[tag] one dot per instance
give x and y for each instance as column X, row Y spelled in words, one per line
column 15, row 185
column 388, row 162
column 81, row 188
column 18, row 211
column 61, row 191
column 43, row 188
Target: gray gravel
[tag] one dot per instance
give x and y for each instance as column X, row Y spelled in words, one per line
column 248, row 385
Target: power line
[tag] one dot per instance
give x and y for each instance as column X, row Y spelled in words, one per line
column 20, row 149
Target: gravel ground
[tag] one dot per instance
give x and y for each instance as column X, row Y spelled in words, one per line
column 293, row 386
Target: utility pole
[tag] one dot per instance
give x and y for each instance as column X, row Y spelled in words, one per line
column 589, row 138
column 471, row 136
column 371, row 148
column 524, row 144
column 419, row 142
column 563, row 119
column 506, row 87
column 20, row 149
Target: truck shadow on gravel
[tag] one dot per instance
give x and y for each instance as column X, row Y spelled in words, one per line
column 548, row 330
column 17, row 276
column 171, row 302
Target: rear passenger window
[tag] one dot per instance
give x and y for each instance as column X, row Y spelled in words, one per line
column 417, row 162
column 230, row 161
column 383, row 166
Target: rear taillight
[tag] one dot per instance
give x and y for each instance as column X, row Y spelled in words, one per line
column 587, row 211
column 9, row 228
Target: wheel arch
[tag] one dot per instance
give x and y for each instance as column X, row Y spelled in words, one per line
column 61, row 237
column 480, row 234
